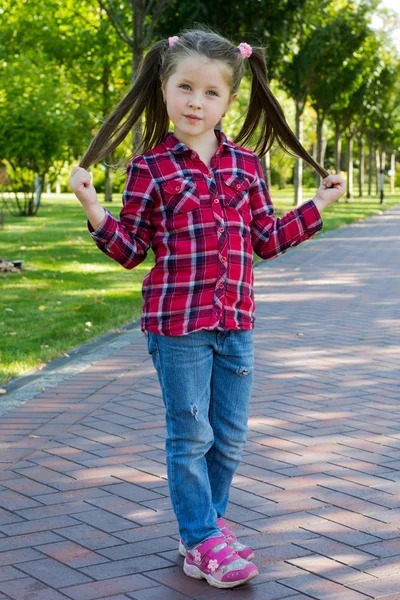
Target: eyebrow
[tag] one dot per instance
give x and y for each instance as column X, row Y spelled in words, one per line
column 214, row 87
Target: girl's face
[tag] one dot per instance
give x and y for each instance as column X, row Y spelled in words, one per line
column 198, row 87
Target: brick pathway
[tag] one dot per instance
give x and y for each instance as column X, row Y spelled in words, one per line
column 85, row 511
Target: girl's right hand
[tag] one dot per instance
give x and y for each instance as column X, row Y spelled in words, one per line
column 80, row 182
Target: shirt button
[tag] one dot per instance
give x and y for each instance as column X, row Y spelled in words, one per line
column 210, row 176
column 238, row 185
column 216, row 200
column 221, row 229
column 223, row 258
column 221, row 285
column 177, row 188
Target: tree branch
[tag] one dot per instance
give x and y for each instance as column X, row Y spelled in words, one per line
column 112, row 15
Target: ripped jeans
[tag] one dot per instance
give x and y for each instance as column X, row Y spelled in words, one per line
column 206, row 379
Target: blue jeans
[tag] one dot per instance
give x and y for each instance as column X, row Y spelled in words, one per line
column 206, row 379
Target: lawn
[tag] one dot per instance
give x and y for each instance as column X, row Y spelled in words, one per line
column 69, row 292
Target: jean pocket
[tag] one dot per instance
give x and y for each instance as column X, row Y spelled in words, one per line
column 151, row 343
column 179, row 195
column 235, row 190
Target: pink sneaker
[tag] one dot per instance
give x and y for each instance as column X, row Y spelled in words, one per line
column 244, row 551
column 219, row 564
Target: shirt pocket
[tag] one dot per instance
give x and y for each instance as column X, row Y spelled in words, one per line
column 179, row 195
column 236, row 191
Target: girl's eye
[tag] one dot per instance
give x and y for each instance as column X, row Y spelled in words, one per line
column 186, row 85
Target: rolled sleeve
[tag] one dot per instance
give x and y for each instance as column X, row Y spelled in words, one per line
column 105, row 231
column 127, row 240
column 272, row 236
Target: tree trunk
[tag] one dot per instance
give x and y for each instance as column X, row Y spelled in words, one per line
column 320, row 128
column 382, row 177
column 377, row 169
column 350, row 142
column 323, row 151
column 266, row 167
column 361, row 150
column 370, row 168
column 106, row 110
column 137, row 54
column 320, row 143
column 298, row 166
column 108, row 184
column 338, row 147
column 314, row 154
column 34, row 199
column 393, row 170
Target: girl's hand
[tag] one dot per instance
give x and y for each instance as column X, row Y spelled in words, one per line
column 330, row 190
column 80, row 182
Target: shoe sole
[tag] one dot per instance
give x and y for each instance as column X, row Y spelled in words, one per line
column 193, row 571
column 182, row 552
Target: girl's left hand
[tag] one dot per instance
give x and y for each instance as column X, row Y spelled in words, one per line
column 331, row 188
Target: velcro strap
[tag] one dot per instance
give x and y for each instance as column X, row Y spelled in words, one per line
column 221, row 555
column 208, row 544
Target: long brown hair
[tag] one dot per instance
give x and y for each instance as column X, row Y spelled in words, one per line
column 145, row 97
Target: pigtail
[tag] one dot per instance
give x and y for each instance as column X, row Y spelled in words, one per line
column 146, row 96
column 265, row 109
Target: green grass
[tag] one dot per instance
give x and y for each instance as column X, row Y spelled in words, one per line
column 67, row 282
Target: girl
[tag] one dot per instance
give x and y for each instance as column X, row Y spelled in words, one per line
column 201, row 203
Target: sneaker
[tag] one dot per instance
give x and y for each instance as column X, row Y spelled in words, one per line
column 244, row 551
column 219, row 564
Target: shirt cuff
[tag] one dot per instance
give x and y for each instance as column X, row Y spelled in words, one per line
column 105, row 231
column 310, row 217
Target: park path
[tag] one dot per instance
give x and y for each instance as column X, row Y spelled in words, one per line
column 85, row 512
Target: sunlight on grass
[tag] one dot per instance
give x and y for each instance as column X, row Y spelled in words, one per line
column 67, row 282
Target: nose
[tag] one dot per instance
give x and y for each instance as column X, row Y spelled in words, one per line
column 195, row 101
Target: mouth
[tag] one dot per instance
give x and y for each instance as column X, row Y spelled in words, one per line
column 192, row 117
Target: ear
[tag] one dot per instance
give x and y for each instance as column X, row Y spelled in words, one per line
column 231, row 101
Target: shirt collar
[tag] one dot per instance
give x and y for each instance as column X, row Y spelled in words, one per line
column 171, row 142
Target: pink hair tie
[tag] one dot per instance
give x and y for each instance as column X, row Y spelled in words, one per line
column 245, row 50
column 172, row 40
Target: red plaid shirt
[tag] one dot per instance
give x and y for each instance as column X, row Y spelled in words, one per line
column 202, row 224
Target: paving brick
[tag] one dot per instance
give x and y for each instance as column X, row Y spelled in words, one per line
column 37, row 525
column 7, row 517
column 13, row 500
column 71, row 554
column 95, row 590
column 117, row 568
column 53, row 573
column 30, row 589
column 321, row 588
column 156, row 593
column 342, row 553
column 14, row 557
column 89, row 537
column 28, row 540
column 383, row 549
column 8, row 573
column 129, row 491
column 44, row 512
column 103, row 520
column 138, row 549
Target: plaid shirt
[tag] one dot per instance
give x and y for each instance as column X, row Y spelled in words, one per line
column 202, row 224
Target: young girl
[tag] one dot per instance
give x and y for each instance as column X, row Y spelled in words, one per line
column 201, row 203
